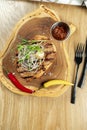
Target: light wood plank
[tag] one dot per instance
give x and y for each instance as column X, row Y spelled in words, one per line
column 33, row 113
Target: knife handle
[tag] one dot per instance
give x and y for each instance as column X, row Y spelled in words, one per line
column 82, row 75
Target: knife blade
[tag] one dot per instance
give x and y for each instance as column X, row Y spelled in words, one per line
column 84, row 68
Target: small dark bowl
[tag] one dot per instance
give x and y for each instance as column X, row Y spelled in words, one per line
column 60, row 31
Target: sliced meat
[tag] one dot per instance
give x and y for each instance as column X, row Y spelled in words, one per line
column 18, row 64
column 47, row 44
column 16, row 53
column 29, row 79
column 49, row 49
column 21, row 69
column 39, row 74
column 46, row 63
column 27, row 74
column 50, row 56
column 40, row 37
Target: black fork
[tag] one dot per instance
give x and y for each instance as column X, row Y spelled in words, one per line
column 78, row 60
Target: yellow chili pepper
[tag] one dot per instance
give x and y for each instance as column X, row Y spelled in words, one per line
column 56, row 82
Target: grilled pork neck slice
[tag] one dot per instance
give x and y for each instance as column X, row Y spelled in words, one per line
column 35, row 57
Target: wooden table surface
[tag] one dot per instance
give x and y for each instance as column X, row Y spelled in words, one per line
column 40, row 113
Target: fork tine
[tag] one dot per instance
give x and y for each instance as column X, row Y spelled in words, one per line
column 76, row 49
column 78, row 46
column 79, row 50
column 82, row 49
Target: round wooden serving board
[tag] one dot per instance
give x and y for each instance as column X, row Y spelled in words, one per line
column 32, row 25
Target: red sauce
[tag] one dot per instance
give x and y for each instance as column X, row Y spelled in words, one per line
column 59, row 33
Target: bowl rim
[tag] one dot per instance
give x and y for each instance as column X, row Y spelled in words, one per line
column 56, row 24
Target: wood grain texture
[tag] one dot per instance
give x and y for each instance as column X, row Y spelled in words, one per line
column 33, row 113
column 27, row 23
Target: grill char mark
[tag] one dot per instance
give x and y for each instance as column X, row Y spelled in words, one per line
column 49, row 58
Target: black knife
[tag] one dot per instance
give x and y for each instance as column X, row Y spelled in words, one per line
column 84, row 68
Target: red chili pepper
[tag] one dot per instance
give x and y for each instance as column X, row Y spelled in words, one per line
column 18, row 84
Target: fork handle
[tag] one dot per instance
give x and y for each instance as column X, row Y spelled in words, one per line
column 73, row 96
column 82, row 75
column 73, row 93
